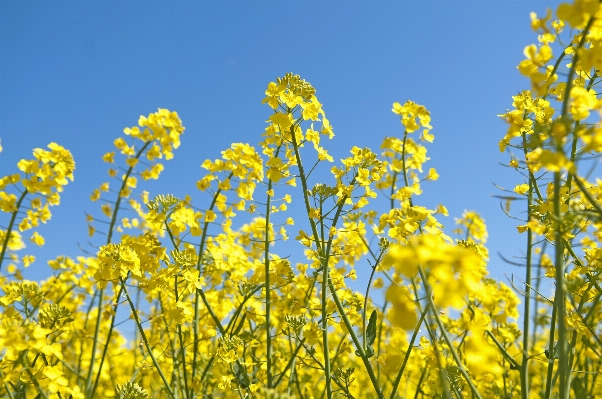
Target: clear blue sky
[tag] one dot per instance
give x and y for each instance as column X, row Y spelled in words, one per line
column 77, row 73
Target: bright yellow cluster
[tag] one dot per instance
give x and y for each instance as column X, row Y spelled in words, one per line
column 39, row 185
column 159, row 134
column 452, row 272
column 290, row 96
column 241, row 167
column 555, row 128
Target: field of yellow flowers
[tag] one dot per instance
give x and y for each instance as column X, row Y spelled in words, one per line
column 220, row 313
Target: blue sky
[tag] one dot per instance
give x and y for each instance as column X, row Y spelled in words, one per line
column 77, row 73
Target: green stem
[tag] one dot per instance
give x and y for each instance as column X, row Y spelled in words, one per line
column 366, row 298
column 333, row 377
column 145, row 340
column 6, row 388
column 407, row 355
column 9, row 230
column 36, row 383
column 356, row 341
column 268, row 301
column 589, row 197
column 290, row 363
column 182, row 347
column 303, row 178
column 505, row 353
column 325, row 279
column 89, row 391
column 179, row 326
column 380, row 333
column 95, row 344
column 195, row 327
column 537, row 289
column 559, row 299
column 453, row 351
column 324, row 259
column 437, row 352
column 551, row 354
column 524, row 369
column 106, row 347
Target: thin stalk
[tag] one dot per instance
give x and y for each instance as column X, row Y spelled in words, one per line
column 422, row 375
column 88, row 390
column 524, row 369
column 505, row 353
column 106, row 347
column 537, row 289
column 179, row 326
column 9, row 229
column 366, row 299
column 95, row 344
column 589, row 197
column 453, row 351
column 266, row 261
column 380, row 332
column 407, row 356
column 145, row 340
column 290, row 380
column 559, row 299
column 195, row 327
column 81, row 346
column 303, row 178
column 551, row 354
column 431, row 333
column 36, row 383
column 290, row 363
column 182, row 347
column 356, row 341
column 325, row 279
column 324, row 258
column 10, row 395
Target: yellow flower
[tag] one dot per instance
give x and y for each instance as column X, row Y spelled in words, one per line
column 432, row 175
column 583, row 102
column 402, row 313
column 521, row 188
column 481, row 356
column 109, row 157
column 37, row 239
column 107, row 210
column 312, row 333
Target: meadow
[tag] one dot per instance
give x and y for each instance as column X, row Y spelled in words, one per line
column 222, row 312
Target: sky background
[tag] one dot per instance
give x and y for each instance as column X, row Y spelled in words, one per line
column 77, row 73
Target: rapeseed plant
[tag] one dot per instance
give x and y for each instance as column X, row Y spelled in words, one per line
column 229, row 317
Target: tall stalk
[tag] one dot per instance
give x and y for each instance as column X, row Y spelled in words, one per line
column 89, row 388
column 11, row 224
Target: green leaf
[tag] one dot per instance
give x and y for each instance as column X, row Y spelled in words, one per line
column 370, row 336
column 242, row 378
column 554, row 355
column 371, row 330
column 369, row 352
column 240, row 325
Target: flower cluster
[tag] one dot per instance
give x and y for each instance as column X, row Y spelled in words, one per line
column 159, row 134
column 38, row 187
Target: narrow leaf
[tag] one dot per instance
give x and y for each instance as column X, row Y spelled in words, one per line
column 371, row 330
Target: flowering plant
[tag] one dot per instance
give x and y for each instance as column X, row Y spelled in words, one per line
column 228, row 316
